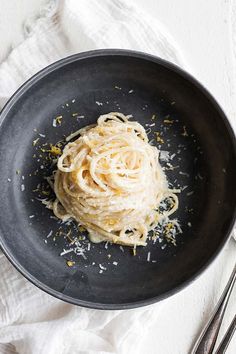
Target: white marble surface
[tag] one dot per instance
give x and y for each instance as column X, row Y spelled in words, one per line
column 204, row 32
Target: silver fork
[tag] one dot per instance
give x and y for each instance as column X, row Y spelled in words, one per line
column 227, row 337
column 207, row 339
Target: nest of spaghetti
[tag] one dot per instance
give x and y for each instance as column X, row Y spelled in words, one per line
column 110, row 181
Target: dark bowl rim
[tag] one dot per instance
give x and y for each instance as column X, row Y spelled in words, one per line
column 149, row 58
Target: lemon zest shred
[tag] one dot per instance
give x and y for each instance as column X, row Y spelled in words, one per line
column 158, row 138
column 54, row 150
column 70, row 263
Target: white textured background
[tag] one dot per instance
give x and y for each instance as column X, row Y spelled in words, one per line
column 205, row 31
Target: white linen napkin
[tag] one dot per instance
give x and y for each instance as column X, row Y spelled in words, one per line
column 32, row 321
column 68, row 27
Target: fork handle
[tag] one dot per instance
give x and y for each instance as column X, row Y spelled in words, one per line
column 207, row 339
column 227, row 337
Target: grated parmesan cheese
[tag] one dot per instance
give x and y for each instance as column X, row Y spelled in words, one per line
column 50, row 234
column 102, row 267
column 184, row 187
column 183, row 173
column 66, row 251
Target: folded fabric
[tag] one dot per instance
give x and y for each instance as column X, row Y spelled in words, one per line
column 71, row 26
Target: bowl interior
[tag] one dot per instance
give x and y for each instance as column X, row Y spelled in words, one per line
column 192, row 129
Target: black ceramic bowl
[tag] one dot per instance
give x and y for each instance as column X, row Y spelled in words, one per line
column 192, row 128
